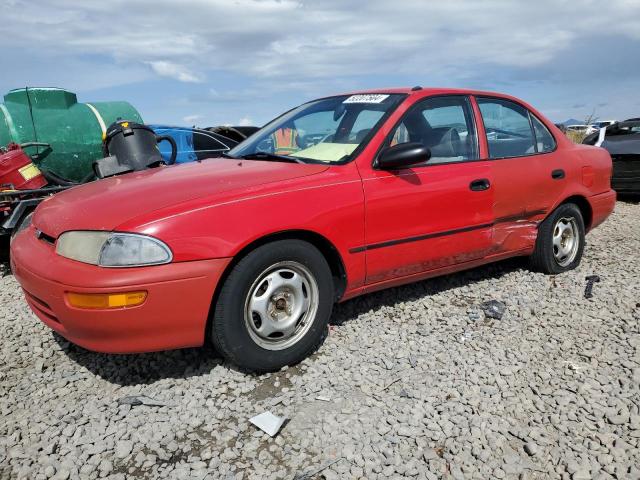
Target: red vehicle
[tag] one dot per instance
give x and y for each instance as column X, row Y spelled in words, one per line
column 251, row 250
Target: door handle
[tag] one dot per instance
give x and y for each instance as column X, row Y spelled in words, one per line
column 557, row 174
column 479, row 185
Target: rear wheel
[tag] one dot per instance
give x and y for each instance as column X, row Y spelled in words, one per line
column 561, row 240
column 274, row 307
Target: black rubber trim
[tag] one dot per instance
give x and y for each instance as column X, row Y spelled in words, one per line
column 417, row 238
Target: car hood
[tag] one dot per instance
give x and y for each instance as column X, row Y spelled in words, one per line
column 105, row 204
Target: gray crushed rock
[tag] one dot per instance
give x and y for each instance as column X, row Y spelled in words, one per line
column 412, row 382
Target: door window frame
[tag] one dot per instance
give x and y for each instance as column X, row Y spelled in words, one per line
column 468, row 99
column 535, row 136
column 530, row 114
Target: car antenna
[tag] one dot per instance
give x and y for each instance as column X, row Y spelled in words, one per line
column 416, row 88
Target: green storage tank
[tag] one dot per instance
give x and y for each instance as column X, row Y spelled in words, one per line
column 73, row 130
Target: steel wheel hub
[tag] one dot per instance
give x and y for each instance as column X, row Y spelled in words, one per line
column 565, row 241
column 281, row 305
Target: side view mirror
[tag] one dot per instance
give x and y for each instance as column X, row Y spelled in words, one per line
column 403, row 155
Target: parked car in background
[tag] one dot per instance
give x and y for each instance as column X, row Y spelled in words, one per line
column 602, row 124
column 622, row 141
column 338, row 197
column 584, row 129
column 634, row 128
column 193, row 143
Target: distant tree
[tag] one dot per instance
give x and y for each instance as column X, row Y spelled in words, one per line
column 578, row 136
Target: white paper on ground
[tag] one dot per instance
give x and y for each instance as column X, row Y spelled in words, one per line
column 268, row 423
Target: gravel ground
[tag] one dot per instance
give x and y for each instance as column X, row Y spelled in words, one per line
column 412, row 382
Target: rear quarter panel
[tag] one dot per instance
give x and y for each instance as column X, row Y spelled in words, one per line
column 596, row 167
column 588, row 172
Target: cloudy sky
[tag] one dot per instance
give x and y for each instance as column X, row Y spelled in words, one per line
column 209, row 62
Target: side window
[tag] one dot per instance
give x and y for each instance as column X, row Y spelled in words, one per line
column 508, row 128
column 444, row 125
column 544, row 140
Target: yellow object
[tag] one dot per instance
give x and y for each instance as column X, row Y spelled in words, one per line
column 29, row 171
column 106, row 300
column 327, row 152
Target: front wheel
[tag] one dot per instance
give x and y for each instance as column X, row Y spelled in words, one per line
column 561, row 240
column 274, row 307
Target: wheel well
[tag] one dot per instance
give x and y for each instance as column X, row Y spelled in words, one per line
column 327, row 249
column 585, row 209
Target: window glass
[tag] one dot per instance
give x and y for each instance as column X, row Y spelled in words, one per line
column 364, row 123
column 312, row 129
column 328, row 130
column 442, row 124
column 508, row 129
column 544, row 140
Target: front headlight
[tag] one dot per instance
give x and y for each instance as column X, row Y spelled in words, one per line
column 112, row 249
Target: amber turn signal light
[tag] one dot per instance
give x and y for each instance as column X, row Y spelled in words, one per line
column 106, row 300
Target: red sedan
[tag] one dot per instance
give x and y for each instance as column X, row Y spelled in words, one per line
column 336, row 198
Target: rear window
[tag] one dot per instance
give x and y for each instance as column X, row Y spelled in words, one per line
column 544, row 140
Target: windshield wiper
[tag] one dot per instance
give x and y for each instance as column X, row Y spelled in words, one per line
column 226, row 155
column 270, row 156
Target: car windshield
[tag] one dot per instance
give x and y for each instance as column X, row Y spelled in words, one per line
column 329, row 130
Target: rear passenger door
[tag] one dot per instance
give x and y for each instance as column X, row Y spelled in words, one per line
column 523, row 157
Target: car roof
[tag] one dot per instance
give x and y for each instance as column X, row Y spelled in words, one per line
column 428, row 91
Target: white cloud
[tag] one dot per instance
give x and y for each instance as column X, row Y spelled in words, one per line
column 173, row 70
column 309, row 40
column 245, row 122
column 313, row 48
column 192, row 119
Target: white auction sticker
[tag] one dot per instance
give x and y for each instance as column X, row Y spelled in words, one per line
column 367, row 98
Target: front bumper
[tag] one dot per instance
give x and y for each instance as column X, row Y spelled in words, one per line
column 174, row 314
column 602, row 206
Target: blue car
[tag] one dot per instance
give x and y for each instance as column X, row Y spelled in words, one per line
column 193, row 143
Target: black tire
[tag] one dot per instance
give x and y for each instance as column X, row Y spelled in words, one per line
column 230, row 332
column 544, row 258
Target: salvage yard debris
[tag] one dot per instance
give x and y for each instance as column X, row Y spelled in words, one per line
column 312, row 473
column 493, row 309
column 588, row 290
column 268, row 423
column 137, row 400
